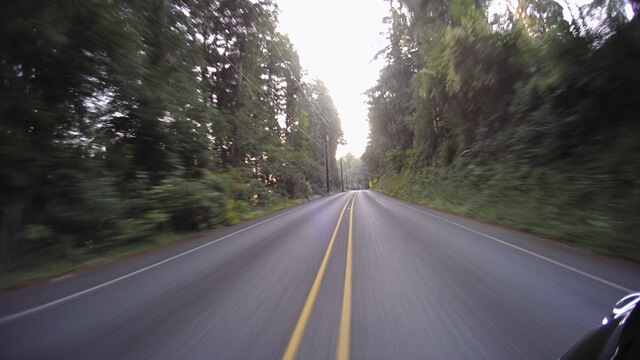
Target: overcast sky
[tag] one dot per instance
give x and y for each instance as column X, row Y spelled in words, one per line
column 336, row 41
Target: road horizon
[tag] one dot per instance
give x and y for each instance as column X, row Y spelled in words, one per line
column 356, row 275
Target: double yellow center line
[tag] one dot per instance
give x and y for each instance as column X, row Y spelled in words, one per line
column 345, row 318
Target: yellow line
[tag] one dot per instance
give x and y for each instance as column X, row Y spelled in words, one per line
column 344, row 338
column 298, row 331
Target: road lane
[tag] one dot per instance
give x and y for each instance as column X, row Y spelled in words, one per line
column 344, row 337
column 399, row 282
column 238, row 298
column 298, row 332
column 441, row 291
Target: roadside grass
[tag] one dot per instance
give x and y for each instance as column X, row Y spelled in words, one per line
column 43, row 268
column 587, row 211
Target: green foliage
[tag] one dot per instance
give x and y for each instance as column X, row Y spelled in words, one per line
column 579, row 208
column 236, row 211
column 356, row 173
column 494, row 108
column 124, row 120
column 190, row 204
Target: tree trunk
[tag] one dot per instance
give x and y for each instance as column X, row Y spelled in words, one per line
column 10, row 233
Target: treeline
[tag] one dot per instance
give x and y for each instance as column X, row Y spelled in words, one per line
column 355, row 173
column 525, row 118
column 124, row 119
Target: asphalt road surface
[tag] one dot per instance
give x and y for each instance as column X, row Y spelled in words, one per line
column 357, row 275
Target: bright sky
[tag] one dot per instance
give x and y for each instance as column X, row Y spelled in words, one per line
column 336, row 41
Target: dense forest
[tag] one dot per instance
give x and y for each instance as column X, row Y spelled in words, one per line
column 123, row 120
column 355, row 173
column 526, row 118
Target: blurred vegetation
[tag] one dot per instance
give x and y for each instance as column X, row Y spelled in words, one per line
column 525, row 119
column 355, row 172
column 123, row 122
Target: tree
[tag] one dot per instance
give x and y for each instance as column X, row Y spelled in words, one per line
column 356, row 176
column 124, row 119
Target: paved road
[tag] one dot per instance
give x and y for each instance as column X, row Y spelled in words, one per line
column 358, row 275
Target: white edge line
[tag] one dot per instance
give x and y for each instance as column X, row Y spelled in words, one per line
column 378, row 201
column 94, row 288
column 593, row 277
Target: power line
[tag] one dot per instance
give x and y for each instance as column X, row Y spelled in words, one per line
column 275, row 155
column 320, row 113
column 266, row 96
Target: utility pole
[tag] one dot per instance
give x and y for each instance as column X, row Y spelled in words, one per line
column 341, row 175
column 326, row 161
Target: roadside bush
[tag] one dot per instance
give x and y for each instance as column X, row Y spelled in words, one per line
column 578, row 207
column 236, row 211
column 190, row 204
